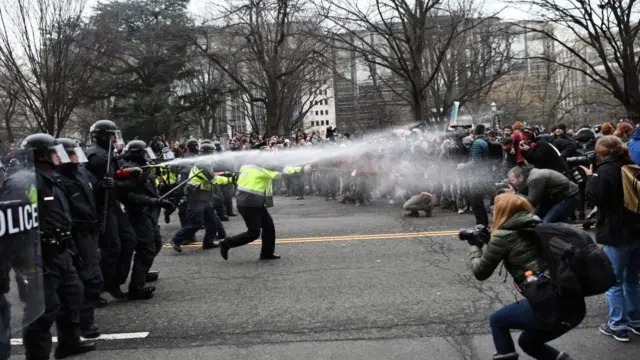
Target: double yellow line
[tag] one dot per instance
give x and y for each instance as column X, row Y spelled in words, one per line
column 352, row 237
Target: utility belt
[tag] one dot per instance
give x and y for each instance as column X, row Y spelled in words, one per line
column 56, row 242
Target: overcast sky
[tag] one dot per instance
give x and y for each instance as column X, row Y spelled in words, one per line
column 201, row 8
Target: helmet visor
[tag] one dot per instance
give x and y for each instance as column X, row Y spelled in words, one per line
column 79, row 153
column 61, row 153
column 117, row 134
column 167, row 154
column 150, row 153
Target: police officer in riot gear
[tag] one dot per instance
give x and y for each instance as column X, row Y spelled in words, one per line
column 20, row 253
column 117, row 238
column 192, row 151
column 200, row 212
column 63, row 290
column 76, row 182
column 143, row 206
column 229, row 189
column 207, row 148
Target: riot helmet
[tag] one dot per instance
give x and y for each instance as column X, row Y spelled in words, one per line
column 138, row 151
column 45, row 149
column 207, row 149
column 74, row 150
column 217, row 145
column 205, row 141
column 103, row 131
column 192, row 146
column 167, row 154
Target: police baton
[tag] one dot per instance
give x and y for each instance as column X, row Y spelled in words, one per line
column 179, row 186
column 106, row 193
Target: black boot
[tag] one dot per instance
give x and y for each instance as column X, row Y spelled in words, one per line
column 101, row 303
column 210, row 245
column 270, row 257
column 90, row 332
column 81, row 347
column 152, row 276
column 510, row 356
column 117, row 293
column 141, row 294
column 224, row 249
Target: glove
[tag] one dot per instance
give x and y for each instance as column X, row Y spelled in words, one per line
column 168, row 205
column 107, row 183
column 234, row 179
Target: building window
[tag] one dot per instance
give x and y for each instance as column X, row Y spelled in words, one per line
column 325, row 92
column 326, row 102
column 326, row 112
column 322, row 122
column 316, row 112
column 312, row 123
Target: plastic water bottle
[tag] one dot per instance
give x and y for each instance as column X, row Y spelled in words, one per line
column 530, row 277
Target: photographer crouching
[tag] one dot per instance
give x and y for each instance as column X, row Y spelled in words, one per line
column 553, row 195
column 522, row 260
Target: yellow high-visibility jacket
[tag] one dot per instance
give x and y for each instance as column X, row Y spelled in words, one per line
column 254, row 184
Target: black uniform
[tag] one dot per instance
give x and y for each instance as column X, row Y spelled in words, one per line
column 63, row 290
column 118, row 241
column 77, row 185
column 143, row 208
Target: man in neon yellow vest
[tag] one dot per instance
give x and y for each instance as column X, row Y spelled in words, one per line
column 199, row 211
column 253, row 197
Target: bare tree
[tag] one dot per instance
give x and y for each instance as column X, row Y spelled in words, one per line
column 601, row 36
column 8, row 106
column 48, row 53
column 273, row 55
column 476, row 59
column 407, row 41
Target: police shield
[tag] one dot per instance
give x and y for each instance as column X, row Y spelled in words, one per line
column 21, row 268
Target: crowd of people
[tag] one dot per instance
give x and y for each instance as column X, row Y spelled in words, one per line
column 104, row 227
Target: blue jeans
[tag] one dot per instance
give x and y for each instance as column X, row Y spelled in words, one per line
column 623, row 299
column 534, row 338
column 560, row 212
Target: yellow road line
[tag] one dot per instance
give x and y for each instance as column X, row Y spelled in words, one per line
column 352, row 237
column 298, row 240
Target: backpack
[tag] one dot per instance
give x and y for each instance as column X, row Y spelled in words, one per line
column 631, row 187
column 577, row 266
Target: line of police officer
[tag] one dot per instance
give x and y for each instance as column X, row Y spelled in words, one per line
column 86, row 239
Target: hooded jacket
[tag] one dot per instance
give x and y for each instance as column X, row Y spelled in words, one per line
column 615, row 225
column 507, row 245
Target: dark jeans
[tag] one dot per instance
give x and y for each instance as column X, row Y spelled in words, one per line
column 534, row 338
column 561, row 211
column 256, row 219
column 476, row 200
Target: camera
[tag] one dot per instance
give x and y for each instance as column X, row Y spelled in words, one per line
column 588, row 158
column 478, row 235
column 502, row 186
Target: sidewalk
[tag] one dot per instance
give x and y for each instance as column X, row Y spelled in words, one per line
column 581, row 344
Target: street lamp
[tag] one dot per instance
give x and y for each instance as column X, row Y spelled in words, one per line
column 496, row 116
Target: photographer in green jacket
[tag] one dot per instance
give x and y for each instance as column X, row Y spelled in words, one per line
column 519, row 255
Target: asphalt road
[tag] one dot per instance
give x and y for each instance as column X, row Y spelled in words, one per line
column 341, row 291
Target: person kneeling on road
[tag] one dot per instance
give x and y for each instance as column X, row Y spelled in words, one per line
column 553, row 195
column 422, row 201
column 521, row 259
